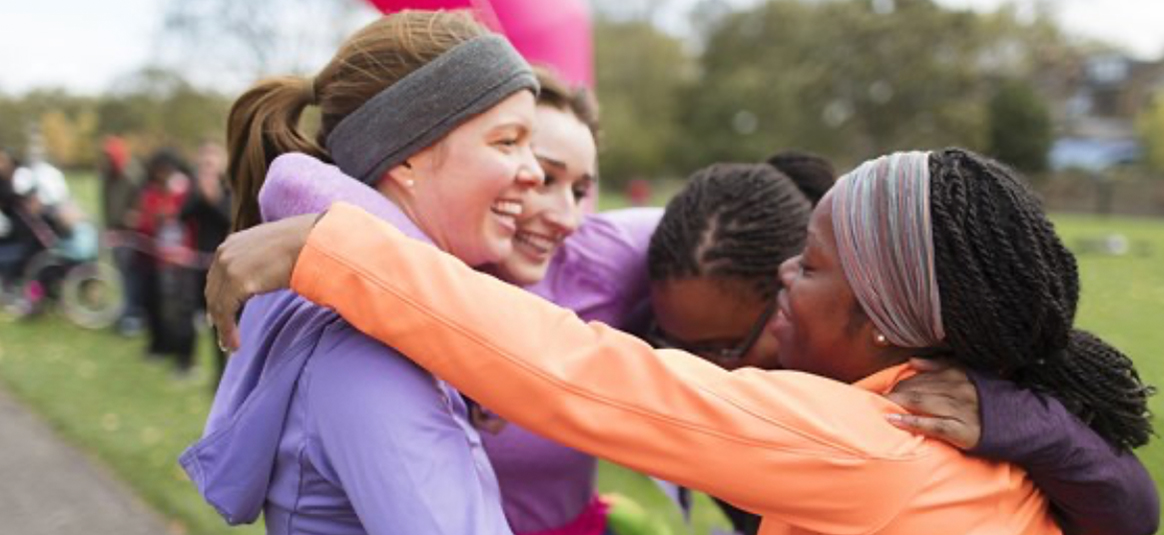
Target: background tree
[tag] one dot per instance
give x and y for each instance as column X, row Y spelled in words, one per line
column 153, row 107
column 240, row 41
column 639, row 81
column 1020, row 127
column 158, row 107
column 69, row 140
column 1150, row 125
column 848, row 79
column 854, row 78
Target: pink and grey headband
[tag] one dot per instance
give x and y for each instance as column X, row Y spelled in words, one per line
column 424, row 106
column 881, row 219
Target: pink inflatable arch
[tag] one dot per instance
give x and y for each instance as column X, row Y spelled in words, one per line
column 554, row 33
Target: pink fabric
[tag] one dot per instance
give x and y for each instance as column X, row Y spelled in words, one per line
column 552, row 33
column 592, row 521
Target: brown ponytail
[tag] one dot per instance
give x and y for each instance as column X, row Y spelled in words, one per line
column 264, row 121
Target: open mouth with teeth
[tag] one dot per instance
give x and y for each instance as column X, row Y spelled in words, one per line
column 538, row 243
column 508, row 210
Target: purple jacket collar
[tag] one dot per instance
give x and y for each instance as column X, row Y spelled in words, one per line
column 232, row 464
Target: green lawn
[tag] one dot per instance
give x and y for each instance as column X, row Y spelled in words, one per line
column 96, row 389
column 1123, row 300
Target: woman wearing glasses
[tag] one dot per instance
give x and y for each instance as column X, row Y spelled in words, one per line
column 728, row 188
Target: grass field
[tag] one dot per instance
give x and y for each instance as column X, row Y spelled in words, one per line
column 1123, row 300
column 97, row 391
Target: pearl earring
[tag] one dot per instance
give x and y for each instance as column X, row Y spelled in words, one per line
column 880, row 340
column 409, row 183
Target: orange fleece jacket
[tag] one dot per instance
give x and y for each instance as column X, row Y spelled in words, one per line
column 810, row 454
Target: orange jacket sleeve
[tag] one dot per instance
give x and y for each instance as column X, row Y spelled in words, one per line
column 803, row 449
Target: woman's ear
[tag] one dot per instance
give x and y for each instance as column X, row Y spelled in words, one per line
column 399, row 182
column 875, row 341
column 403, row 176
column 409, row 173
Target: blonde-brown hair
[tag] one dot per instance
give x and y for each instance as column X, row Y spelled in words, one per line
column 264, row 121
column 578, row 101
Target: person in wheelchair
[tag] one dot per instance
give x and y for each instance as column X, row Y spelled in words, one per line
column 12, row 238
column 42, row 246
column 19, row 222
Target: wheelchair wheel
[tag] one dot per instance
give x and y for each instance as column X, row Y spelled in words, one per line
column 91, row 295
column 39, row 283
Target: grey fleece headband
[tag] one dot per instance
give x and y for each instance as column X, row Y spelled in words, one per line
column 430, row 102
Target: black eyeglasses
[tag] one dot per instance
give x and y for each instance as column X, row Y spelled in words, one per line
column 661, row 340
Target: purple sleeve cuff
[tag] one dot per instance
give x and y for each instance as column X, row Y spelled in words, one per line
column 1096, row 488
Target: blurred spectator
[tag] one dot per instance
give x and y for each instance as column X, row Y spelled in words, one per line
column 119, row 187
column 14, row 236
column 29, row 226
column 43, row 178
column 119, row 192
column 638, row 192
column 207, row 214
column 167, row 282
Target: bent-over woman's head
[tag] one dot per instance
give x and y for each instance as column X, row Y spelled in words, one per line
column 714, row 261
column 950, row 254
column 427, row 107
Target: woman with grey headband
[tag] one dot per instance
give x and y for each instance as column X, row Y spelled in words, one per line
column 315, row 425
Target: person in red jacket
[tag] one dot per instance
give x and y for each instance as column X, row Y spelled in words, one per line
column 168, row 286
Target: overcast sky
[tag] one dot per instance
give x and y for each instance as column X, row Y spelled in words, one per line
column 83, row 45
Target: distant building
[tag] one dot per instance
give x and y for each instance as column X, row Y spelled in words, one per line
column 1096, row 120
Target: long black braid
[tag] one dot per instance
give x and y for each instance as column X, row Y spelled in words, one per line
column 1009, row 290
column 735, row 221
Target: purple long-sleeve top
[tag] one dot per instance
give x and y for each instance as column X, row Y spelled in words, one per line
column 1094, row 488
column 601, row 274
column 326, row 430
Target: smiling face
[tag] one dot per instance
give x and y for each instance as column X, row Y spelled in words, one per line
column 819, row 323
column 566, row 151
column 465, row 192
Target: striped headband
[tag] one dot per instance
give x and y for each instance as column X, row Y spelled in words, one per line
column 881, row 218
column 427, row 104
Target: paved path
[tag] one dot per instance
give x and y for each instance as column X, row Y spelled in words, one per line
column 50, row 488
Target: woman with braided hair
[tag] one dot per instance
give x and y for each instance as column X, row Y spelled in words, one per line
column 810, row 448
column 1005, row 245
column 714, row 257
column 712, row 265
column 713, row 261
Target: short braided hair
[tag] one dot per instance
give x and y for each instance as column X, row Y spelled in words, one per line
column 732, row 221
column 813, row 174
column 1009, row 290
